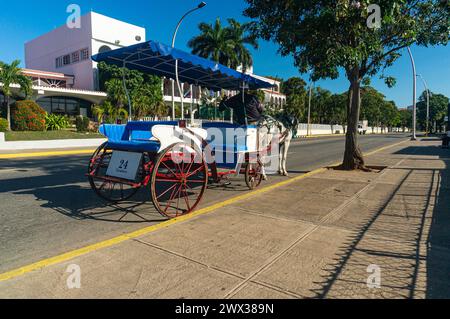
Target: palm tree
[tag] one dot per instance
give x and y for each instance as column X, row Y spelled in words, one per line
column 226, row 45
column 108, row 113
column 239, row 35
column 11, row 74
column 214, row 42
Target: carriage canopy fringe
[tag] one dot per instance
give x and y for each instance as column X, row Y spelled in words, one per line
column 152, row 57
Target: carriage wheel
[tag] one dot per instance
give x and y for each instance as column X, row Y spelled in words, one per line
column 109, row 190
column 253, row 175
column 179, row 179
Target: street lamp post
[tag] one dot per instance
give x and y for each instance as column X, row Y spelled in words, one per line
column 200, row 5
column 413, row 137
column 308, row 130
column 428, row 102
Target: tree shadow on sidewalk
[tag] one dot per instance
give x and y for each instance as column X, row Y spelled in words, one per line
column 407, row 237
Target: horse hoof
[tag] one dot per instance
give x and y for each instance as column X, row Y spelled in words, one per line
column 264, row 177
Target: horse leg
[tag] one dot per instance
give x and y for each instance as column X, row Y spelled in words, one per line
column 280, row 159
column 263, row 172
column 287, row 143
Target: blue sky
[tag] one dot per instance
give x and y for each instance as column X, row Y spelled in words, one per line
column 24, row 20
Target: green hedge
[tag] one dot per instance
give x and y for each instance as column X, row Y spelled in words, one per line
column 3, row 125
column 55, row 122
column 28, row 116
column 82, row 123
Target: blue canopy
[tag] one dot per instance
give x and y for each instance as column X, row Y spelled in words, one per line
column 159, row 59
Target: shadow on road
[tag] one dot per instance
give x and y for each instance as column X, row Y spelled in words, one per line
column 62, row 186
column 408, row 237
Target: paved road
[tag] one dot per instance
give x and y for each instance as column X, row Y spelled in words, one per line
column 47, row 206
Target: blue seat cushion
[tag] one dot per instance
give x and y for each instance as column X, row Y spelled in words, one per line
column 134, row 136
column 134, row 146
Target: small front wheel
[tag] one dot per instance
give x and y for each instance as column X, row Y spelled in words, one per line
column 179, row 179
column 253, row 174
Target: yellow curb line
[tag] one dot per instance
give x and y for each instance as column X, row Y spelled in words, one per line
column 42, row 154
column 146, row 230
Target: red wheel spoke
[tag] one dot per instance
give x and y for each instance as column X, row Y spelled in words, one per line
column 186, row 199
column 167, row 190
column 168, row 168
column 195, row 171
column 190, row 166
column 167, row 180
column 170, row 200
column 178, row 199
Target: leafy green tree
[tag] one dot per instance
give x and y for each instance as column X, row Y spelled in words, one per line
column 335, row 110
column 324, row 35
column 12, row 74
column 371, row 101
column 226, row 45
column 438, row 109
column 295, row 90
column 320, row 101
column 389, row 115
column 144, row 91
column 405, row 116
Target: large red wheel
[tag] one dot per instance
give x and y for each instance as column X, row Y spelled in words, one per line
column 179, row 179
column 112, row 190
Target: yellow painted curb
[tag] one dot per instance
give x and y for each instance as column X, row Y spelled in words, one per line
column 43, row 154
column 146, row 230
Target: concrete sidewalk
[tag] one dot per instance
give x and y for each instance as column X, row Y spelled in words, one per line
column 323, row 237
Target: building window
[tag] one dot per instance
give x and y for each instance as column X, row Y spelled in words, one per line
column 84, row 54
column 75, row 57
column 64, row 105
column 59, row 62
column 66, row 59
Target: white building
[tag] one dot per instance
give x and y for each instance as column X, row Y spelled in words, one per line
column 69, row 51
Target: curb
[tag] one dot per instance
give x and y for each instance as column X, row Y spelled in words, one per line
column 50, row 144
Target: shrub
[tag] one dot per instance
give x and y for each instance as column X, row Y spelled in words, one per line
column 54, row 122
column 28, row 116
column 82, row 123
column 3, row 125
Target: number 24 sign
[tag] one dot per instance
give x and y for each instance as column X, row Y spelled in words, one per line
column 124, row 165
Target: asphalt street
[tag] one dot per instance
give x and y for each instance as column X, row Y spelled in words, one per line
column 47, row 207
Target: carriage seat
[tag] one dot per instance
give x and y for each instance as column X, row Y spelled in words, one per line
column 237, row 144
column 135, row 136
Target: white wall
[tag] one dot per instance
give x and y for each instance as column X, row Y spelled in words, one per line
column 109, row 30
column 42, row 52
column 113, row 33
column 96, row 30
column 325, row 129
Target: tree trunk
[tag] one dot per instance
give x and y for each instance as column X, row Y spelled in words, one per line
column 353, row 158
column 8, row 112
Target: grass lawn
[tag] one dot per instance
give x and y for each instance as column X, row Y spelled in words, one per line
column 48, row 135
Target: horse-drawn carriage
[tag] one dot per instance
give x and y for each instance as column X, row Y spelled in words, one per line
column 175, row 159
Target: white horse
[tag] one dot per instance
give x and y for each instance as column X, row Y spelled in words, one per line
column 280, row 131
